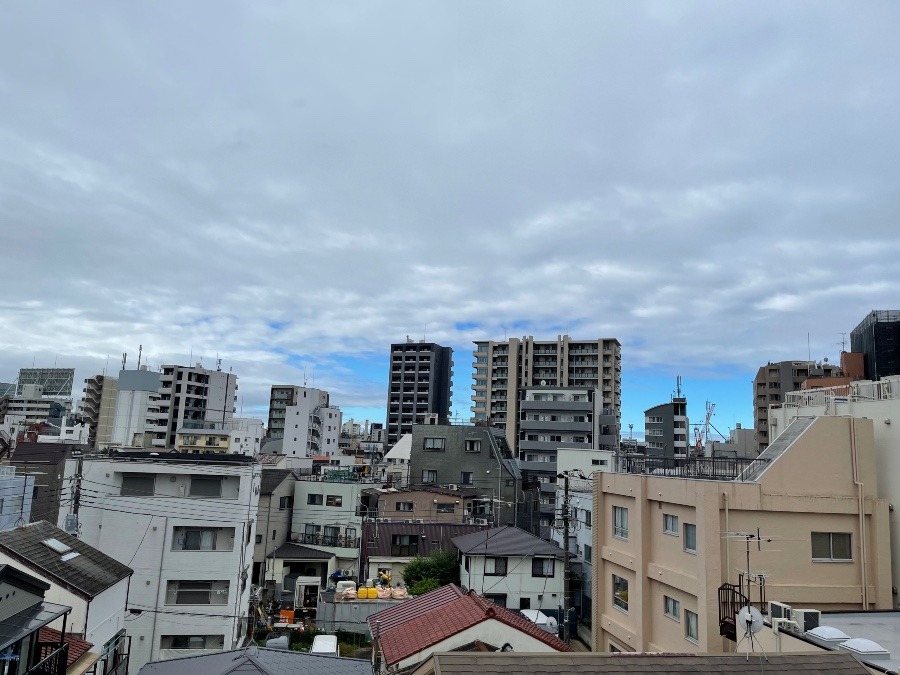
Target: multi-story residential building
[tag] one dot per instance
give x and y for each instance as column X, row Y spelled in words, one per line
column 512, row 568
column 305, row 421
column 878, row 402
column 502, row 369
column 237, row 436
column 877, row 337
column 139, row 419
column 98, row 408
column 418, row 505
column 469, row 458
column 740, row 443
column 186, row 525
column 274, row 513
column 666, row 429
column 194, row 394
column 34, row 406
column 772, row 381
column 420, row 384
column 55, row 382
column 667, row 543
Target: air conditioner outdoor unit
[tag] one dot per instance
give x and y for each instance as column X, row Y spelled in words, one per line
column 409, row 520
column 453, row 486
column 481, row 521
column 382, row 520
column 806, row 619
column 778, row 610
column 420, row 520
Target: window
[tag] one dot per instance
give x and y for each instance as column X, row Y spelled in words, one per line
column 473, row 445
column 193, row 642
column 314, row 500
column 351, row 535
column 137, row 485
column 311, row 534
column 202, row 486
column 588, row 553
column 672, row 608
column 332, row 533
column 620, row 592
column 670, row 524
column 202, row 539
column 404, row 506
column 259, row 539
column 405, row 545
column 498, row 599
column 495, row 567
column 197, row 593
column 620, row 522
column 334, row 500
column 524, row 603
column 435, row 444
column 831, row 546
column 691, row 627
column 286, row 502
column 543, row 567
column 429, row 475
column 446, row 508
column 690, row 537
column 466, row 478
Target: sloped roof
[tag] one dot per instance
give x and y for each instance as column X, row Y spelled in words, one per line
column 77, row 646
column 576, row 663
column 423, row 622
column 271, row 479
column 506, row 541
column 402, row 449
column 441, row 533
column 259, row 660
column 87, row 574
column 300, row 552
column 42, row 453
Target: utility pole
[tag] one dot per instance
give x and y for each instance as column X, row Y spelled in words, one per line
column 567, row 583
column 72, row 525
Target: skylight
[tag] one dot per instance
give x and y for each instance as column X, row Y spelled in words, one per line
column 69, row 556
column 56, row 545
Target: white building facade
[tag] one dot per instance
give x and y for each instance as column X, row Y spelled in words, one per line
column 186, row 525
column 312, row 426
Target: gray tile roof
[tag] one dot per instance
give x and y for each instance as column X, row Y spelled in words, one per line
column 562, row 663
column 505, row 541
column 86, row 575
column 259, row 660
column 438, row 536
column 300, row 552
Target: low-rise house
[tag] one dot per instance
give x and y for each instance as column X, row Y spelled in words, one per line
column 449, row 618
column 430, row 504
column 512, row 568
column 273, row 517
column 261, row 661
column 92, row 583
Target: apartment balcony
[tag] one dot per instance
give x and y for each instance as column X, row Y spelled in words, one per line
column 326, row 540
column 541, row 467
column 538, row 425
column 550, row 446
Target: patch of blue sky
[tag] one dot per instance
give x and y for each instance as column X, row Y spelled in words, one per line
column 466, row 325
column 279, row 325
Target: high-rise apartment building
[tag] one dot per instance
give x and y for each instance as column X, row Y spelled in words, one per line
column 304, row 419
column 99, row 408
column 138, row 417
column 421, row 375
column 772, row 381
column 503, row 369
column 196, row 394
column 878, row 338
column 666, row 429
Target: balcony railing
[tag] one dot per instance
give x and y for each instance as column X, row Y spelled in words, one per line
column 327, row 540
column 708, row 468
column 53, row 659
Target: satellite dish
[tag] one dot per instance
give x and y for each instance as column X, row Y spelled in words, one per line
column 552, row 624
column 750, row 619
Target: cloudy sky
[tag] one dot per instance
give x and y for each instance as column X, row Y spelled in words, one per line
column 292, row 186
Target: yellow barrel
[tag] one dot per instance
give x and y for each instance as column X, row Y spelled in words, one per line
column 362, row 593
column 373, row 593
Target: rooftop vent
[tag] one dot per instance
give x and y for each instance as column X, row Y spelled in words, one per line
column 56, row 545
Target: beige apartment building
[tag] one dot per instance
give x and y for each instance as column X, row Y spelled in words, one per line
column 665, row 544
column 504, row 368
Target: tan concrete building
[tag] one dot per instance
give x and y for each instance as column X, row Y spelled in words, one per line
column 425, row 505
column 198, row 441
column 664, row 544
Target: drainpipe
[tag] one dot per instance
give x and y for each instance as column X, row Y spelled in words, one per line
column 862, row 515
column 727, row 541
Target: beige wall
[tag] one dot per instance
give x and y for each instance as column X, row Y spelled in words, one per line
column 424, row 506
column 809, row 488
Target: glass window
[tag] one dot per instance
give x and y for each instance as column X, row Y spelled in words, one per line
column 330, row 538
column 429, row 475
column 445, row 508
column 199, row 539
column 588, row 553
column 588, row 517
column 672, row 608
column 435, row 444
column 670, row 524
column 286, row 502
column 197, row 593
column 202, row 486
column 831, row 546
column 620, row 522
column 495, row 567
column 690, row 537
column 334, row 500
column 691, row 626
column 473, row 445
column 543, row 567
column 405, row 545
column 466, row 478
column 137, row 485
column 404, row 506
column 620, row 592
column 314, row 500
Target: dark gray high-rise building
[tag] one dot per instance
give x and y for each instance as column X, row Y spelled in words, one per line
column 666, row 429
column 421, row 375
column 877, row 337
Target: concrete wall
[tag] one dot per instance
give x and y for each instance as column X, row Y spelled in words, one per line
column 516, row 584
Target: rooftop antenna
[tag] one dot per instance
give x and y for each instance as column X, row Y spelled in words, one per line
column 678, row 384
column 843, row 340
column 218, row 363
column 808, row 350
column 107, row 365
column 124, row 359
column 191, row 357
column 140, row 351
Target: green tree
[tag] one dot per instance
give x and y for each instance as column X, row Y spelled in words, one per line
column 442, row 567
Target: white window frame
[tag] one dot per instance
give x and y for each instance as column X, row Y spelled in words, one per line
column 691, row 626
column 690, row 527
column 672, row 608
column 831, row 557
column 620, row 522
column 617, row 601
column 668, row 527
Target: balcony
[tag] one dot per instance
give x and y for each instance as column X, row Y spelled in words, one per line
column 327, row 540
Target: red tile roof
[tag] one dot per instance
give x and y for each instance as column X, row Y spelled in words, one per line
column 423, row 622
column 77, row 646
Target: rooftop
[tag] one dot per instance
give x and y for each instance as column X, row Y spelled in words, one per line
column 505, row 541
column 259, row 660
column 880, row 627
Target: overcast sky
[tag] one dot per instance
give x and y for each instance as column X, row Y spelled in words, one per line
column 296, row 185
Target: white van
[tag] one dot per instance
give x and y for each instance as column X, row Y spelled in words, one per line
column 326, row 645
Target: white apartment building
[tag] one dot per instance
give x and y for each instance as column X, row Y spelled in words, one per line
column 877, row 401
column 68, row 431
column 194, row 394
column 138, row 420
column 186, row 525
column 311, row 426
column 327, row 518
column 32, row 404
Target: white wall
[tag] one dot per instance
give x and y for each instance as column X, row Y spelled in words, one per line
column 518, row 583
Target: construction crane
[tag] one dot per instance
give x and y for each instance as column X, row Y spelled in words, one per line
column 701, row 431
